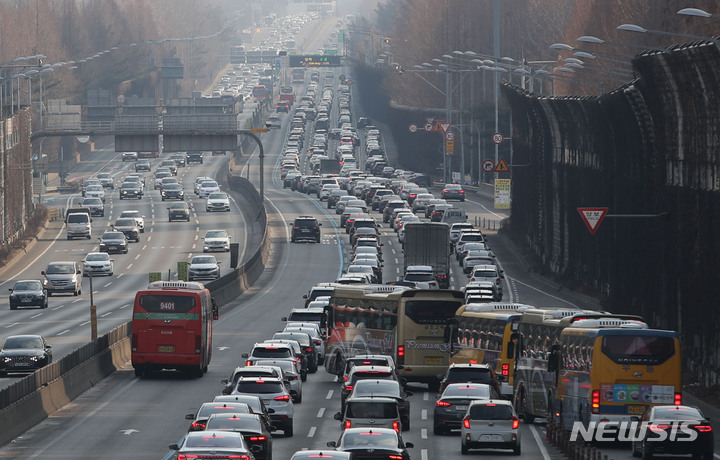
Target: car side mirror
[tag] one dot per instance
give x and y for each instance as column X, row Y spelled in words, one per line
column 42, row 272
column 337, row 416
column 284, row 318
column 189, row 416
column 331, row 444
column 409, row 445
column 48, row 346
column 245, row 355
column 78, row 272
column 270, row 410
column 174, row 447
column 225, row 381
column 409, row 393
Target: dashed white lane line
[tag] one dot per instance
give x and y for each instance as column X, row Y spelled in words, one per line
column 330, row 394
column 423, row 414
column 423, row 433
column 321, row 412
column 311, row 433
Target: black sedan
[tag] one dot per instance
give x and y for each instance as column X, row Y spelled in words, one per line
column 24, row 353
column 372, row 443
column 114, row 242
column 28, row 293
column 673, row 430
column 453, row 404
column 130, row 190
column 172, row 192
column 251, row 426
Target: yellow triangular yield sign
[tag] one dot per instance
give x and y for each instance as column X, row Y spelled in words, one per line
column 502, row 166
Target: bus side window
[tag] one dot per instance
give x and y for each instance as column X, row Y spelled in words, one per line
column 215, row 309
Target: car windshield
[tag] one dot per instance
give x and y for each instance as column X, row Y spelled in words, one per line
column 209, row 184
column 92, row 201
column 369, row 438
column 272, row 352
column 234, row 423
column 179, row 206
column 28, row 286
column 677, row 413
column 491, row 412
column 60, row 269
column 215, row 440
column 217, row 196
column 130, row 214
column 173, row 187
column 259, row 387
column 370, row 409
column 216, row 234
column 94, row 188
column 377, row 388
column 214, row 408
column 23, row 342
column 125, row 222
column 469, row 375
column 129, row 185
column 99, row 256
column 113, row 236
column 286, row 366
column 203, row 260
column 482, row 391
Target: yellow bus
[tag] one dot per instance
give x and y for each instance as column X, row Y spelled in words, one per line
column 414, row 326
column 610, row 369
column 485, row 335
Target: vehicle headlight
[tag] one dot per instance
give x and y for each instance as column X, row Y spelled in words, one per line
column 34, row 358
column 7, row 359
column 74, row 279
column 45, row 282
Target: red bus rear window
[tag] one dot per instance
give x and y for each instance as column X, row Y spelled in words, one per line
column 166, row 303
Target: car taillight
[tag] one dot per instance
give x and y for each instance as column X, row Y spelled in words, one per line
column 348, row 387
column 443, row 404
column 258, row 438
column 348, row 423
column 197, row 426
column 395, row 457
column 515, row 423
column 596, row 401
column 134, row 345
column 396, row 426
column 309, row 349
column 192, row 456
column 703, row 428
column 248, row 363
column 198, row 344
column 282, row 398
column 466, row 422
column 659, row 428
column 345, row 378
column 678, row 399
column 462, row 191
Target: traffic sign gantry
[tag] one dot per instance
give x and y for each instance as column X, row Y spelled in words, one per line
column 592, row 217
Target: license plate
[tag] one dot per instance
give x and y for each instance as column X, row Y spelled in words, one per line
column 433, row 360
column 165, row 348
column 491, row 438
column 461, row 408
column 636, row 409
column 25, row 300
column 21, row 364
column 112, row 247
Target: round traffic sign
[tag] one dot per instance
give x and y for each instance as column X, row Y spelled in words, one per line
column 450, row 136
column 412, row 128
column 488, row 166
column 428, row 127
column 497, row 138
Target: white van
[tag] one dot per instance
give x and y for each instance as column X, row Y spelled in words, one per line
column 79, row 225
column 453, row 215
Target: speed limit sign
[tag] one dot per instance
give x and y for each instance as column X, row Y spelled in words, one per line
column 488, row 166
column 497, row 138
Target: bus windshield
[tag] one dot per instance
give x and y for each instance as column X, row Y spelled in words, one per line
column 164, row 303
column 431, row 311
column 638, row 349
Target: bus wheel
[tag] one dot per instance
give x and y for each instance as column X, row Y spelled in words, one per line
column 522, row 410
column 139, row 372
column 196, row 372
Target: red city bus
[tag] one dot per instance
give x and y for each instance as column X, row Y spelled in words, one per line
column 172, row 328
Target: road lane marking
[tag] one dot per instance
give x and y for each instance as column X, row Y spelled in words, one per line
column 330, row 394
column 423, row 414
column 311, row 433
column 321, row 412
column 35, row 316
column 539, row 442
column 423, row 454
column 426, row 396
column 11, row 325
column 423, row 433
column 64, row 332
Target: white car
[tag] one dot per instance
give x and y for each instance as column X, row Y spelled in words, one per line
column 217, row 201
column 135, row 214
column 95, row 191
column 216, row 240
column 207, row 187
column 203, row 268
column 106, row 180
column 97, row 263
column 199, row 181
column 324, row 192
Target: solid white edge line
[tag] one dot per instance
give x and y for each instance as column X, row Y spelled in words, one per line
column 539, row 442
